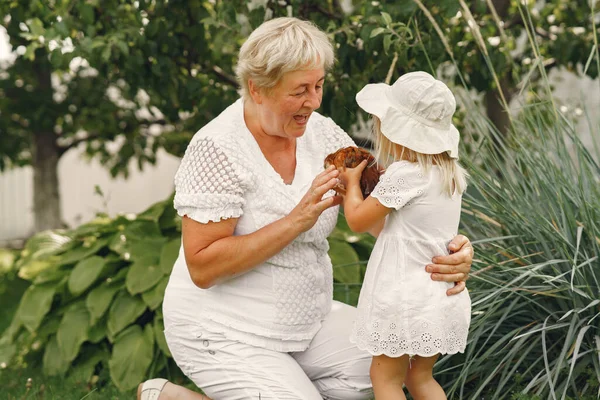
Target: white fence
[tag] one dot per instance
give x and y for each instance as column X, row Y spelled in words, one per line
column 16, row 203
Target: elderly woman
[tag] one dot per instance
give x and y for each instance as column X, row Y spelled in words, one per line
column 248, row 309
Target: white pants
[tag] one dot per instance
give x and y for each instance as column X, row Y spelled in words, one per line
column 331, row 368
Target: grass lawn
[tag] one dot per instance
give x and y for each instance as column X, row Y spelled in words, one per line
column 32, row 384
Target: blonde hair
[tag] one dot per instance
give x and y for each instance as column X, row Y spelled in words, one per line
column 454, row 175
column 279, row 46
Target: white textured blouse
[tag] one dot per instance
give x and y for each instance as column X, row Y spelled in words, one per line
column 280, row 303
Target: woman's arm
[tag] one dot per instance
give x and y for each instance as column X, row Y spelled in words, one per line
column 213, row 254
column 454, row 267
column 361, row 215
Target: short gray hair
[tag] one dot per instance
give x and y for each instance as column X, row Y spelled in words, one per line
column 279, row 46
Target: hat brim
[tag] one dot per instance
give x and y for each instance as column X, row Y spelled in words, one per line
column 399, row 127
column 373, row 98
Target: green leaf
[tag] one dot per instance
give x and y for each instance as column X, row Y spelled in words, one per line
column 43, row 245
column 154, row 297
column 148, row 250
column 97, row 332
column 11, row 332
column 61, row 28
column 123, row 312
column 123, row 47
column 131, row 356
column 376, row 32
column 85, row 273
column 138, row 238
column 169, row 254
column 56, row 59
column 49, row 326
column 34, row 268
column 83, row 251
column 7, row 260
column 36, row 27
column 50, row 275
column 98, row 300
column 84, row 369
column 159, row 333
column 73, row 330
column 154, row 212
column 169, row 219
column 152, row 28
column 35, row 304
column 53, row 361
column 7, row 351
column 386, row 18
column 345, row 261
column 143, row 274
column 106, row 53
column 141, row 229
column 87, row 14
column 387, row 42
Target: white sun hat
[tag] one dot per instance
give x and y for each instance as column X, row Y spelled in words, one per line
column 415, row 112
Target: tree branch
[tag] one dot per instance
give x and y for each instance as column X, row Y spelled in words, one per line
column 75, row 142
column 307, row 8
column 224, row 76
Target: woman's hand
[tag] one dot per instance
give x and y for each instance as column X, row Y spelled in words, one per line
column 454, row 267
column 306, row 213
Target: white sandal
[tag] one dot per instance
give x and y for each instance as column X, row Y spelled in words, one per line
column 150, row 390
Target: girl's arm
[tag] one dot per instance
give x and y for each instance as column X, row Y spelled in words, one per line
column 376, row 229
column 361, row 214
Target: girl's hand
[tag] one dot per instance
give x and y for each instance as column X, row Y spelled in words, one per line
column 454, row 267
column 308, row 210
column 351, row 176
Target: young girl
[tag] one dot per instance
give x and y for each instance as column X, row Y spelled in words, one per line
column 405, row 319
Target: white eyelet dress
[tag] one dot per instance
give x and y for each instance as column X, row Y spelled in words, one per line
column 278, row 305
column 400, row 309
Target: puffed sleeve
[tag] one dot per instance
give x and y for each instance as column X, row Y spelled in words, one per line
column 207, row 185
column 401, row 184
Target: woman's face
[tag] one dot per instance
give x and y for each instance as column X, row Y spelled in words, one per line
column 285, row 110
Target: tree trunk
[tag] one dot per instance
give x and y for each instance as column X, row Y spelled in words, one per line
column 496, row 112
column 46, row 197
column 493, row 102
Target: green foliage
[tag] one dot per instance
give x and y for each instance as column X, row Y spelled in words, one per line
column 174, row 62
column 95, row 301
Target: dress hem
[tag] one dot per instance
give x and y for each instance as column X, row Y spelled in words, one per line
column 400, row 354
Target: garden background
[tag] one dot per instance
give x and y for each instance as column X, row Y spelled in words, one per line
column 124, row 81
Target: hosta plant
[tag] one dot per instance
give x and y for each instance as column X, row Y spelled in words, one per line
column 95, row 297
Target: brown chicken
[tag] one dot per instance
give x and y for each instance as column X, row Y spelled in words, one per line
column 350, row 157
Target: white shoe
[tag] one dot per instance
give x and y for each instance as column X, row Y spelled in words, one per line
column 150, row 390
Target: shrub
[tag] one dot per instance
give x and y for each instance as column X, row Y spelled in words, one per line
column 95, row 297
